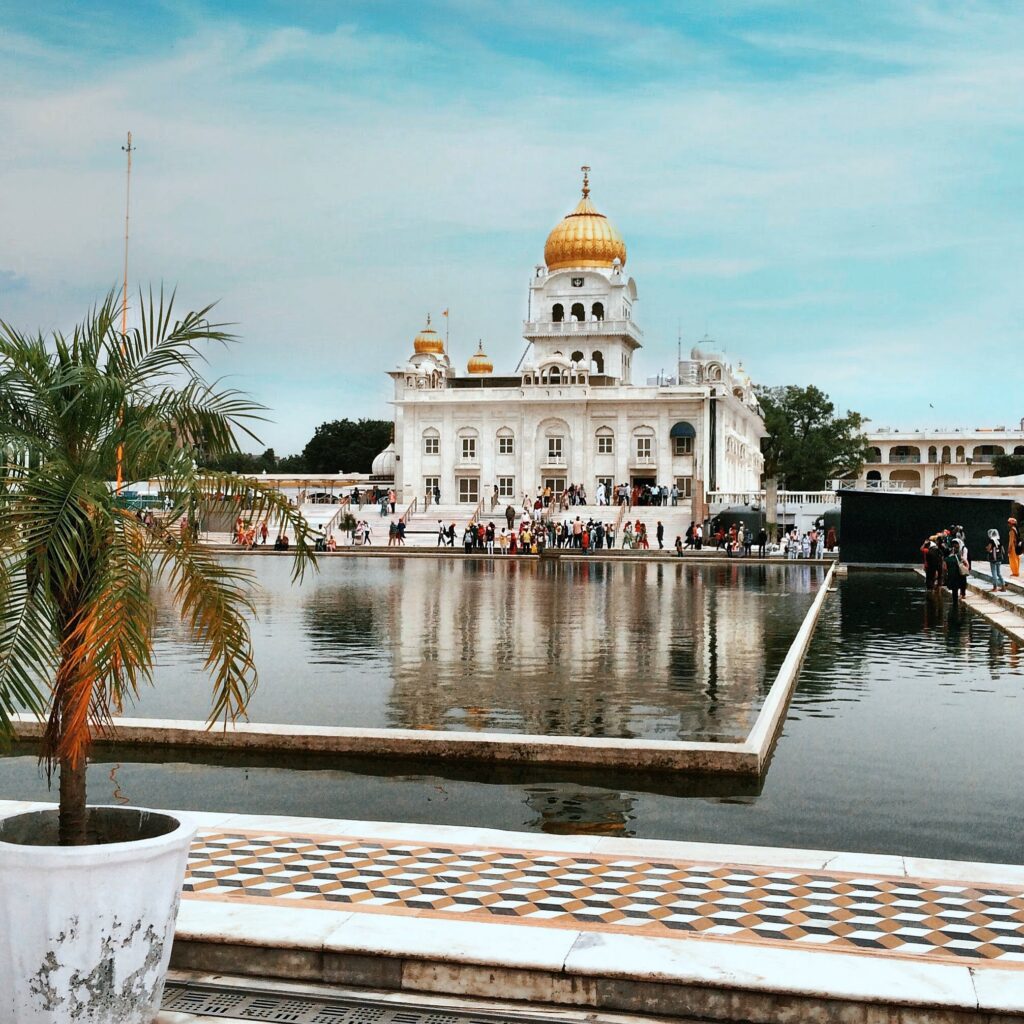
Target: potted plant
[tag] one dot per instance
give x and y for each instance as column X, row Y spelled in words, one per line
column 91, row 893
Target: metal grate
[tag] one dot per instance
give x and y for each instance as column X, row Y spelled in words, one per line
column 209, row 1001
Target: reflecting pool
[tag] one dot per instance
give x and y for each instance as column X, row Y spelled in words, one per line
column 658, row 650
column 904, row 736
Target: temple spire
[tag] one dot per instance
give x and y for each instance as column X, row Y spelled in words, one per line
column 586, row 180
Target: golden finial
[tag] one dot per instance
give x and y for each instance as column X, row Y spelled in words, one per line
column 586, row 180
column 428, row 319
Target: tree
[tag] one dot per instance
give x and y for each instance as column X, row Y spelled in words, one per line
column 346, row 446
column 242, row 462
column 76, row 570
column 1008, row 465
column 807, row 443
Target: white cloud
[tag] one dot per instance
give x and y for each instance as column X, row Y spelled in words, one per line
column 332, row 187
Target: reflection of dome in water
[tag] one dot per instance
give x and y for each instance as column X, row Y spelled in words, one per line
column 584, row 238
column 384, row 464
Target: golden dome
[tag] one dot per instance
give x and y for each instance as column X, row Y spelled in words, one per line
column 428, row 340
column 478, row 362
column 584, row 238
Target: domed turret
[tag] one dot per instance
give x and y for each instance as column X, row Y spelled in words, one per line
column 383, row 466
column 584, row 238
column 478, row 362
column 428, row 341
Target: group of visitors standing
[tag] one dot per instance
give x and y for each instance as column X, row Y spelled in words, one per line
column 947, row 561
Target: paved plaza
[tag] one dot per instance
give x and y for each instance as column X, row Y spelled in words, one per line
column 852, row 912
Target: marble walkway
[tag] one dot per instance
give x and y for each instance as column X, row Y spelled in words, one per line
column 854, row 912
column 669, row 929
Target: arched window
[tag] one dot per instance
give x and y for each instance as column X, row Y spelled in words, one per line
column 986, row 452
column 874, row 475
column 874, row 455
column 946, row 455
column 468, row 448
column 576, row 358
column 555, row 375
column 682, row 435
column 959, row 453
column 1019, row 450
column 933, row 454
column 597, row 362
column 643, row 453
column 506, row 442
column 597, row 311
column 557, row 313
column 605, row 441
column 578, row 312
column 714, row 371
column 905, row 453
column 431, row 442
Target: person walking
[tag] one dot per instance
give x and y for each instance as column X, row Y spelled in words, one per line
column 994, row 549
column 659, row 533
column 762, row 542
column 1014, row 547
column 442, row 534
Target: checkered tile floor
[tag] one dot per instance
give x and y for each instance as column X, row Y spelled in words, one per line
column 884, row 916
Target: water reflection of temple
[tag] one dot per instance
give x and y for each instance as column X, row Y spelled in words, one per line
column 590, row 649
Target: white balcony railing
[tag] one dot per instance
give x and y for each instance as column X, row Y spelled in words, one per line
column 643, row 460
column 554, row 462
column 549, row 327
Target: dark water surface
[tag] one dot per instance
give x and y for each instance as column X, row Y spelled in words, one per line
column 667, row 651
column 905, row 736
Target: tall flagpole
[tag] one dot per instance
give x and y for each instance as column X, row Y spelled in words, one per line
column 124, row 289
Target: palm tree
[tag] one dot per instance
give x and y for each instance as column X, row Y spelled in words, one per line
column 77, row 569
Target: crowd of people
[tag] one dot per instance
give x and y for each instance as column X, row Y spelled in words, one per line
column 947, row 561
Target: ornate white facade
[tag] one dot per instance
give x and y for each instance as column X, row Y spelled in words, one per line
column 570, row 412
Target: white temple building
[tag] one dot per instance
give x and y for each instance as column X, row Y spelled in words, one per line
column 571, row 412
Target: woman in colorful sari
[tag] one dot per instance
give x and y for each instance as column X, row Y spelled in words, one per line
column 1013, row 547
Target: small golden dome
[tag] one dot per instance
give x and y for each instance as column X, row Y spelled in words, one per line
column 584, row 238
column 478, row 362
column 428, row 340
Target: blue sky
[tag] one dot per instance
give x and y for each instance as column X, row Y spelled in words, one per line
column 834, row 192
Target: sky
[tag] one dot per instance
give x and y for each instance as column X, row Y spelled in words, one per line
column 832, row 192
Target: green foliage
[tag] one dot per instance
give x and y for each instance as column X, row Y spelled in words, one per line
column 243, row 462
column 76, row 569
column 807, row 443
column 291, row 464
column 1008, row 465
column 346, row 446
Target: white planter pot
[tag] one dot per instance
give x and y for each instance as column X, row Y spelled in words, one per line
column 86, row 931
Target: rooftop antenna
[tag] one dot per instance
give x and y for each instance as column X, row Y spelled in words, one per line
column 679, row 341
column 127, row 149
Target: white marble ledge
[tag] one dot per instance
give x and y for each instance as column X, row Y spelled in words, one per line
column 453, row 941
column 428, row 835
column 813, row 973
column 869, row 864
column 425, row 736
column 242, row 924
column 998, row 990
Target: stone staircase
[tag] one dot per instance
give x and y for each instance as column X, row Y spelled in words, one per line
column 1009, row 602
